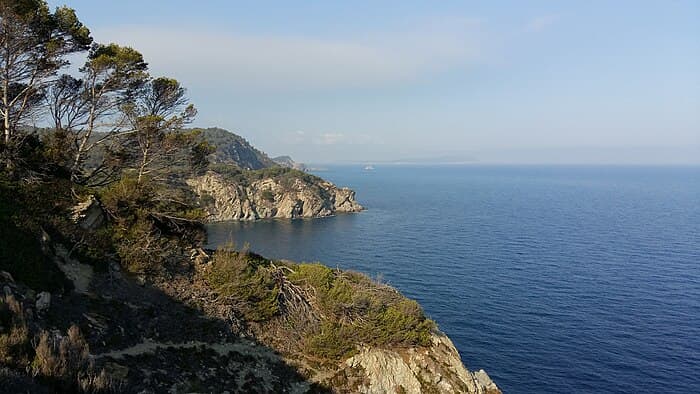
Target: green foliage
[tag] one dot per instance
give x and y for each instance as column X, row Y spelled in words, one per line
column 333, row 341
column 286, row 177
column 231, row 172
column 122, row 67
column 155, row 224
column 268, row 195
column 353, row 309
column 359, row 308
column 283, row 174
column 244, row 279
column 233, row 149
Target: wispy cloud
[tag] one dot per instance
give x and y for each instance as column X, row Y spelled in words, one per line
column 541, row 23
column 330, row 138
column 234, row 61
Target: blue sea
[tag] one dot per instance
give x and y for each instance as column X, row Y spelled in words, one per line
column 567, row 279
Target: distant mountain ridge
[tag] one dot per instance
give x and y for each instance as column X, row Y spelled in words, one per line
column 286, row 161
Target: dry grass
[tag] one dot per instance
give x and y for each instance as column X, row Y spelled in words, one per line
column 64, row 362
column 14, row 335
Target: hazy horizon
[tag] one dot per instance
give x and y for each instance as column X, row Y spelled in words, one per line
column 534, row 82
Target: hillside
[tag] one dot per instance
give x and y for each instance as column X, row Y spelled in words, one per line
column 234, row 149
column 104, row 296
column 287, row 161
column 106, row 285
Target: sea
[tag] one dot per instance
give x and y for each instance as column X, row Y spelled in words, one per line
column 553, row 279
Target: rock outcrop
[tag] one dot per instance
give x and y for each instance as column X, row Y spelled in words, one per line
column 291, row 197
column 437, row 368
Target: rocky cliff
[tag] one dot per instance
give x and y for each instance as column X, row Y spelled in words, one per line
column 285, row 194
column 433, row 369
column 243, row 183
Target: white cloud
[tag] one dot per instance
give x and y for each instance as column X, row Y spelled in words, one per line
column 225, row 60
column 329, row 138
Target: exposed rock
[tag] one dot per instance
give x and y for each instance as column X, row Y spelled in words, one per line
column 415, row 370
column 43, row 301
column 78, row 273
column 89, row 214
column 271, row 198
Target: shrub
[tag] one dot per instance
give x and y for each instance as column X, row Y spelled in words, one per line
column 20, row 249
column 346, row 309
column 333, row 341
column 368, row 312
column 268, row 195
column 244, row 279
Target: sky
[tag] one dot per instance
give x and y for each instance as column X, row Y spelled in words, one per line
column 579, row 82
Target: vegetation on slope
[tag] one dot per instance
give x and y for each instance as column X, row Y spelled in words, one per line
column 332, row 312
column 234, row 150
column 117, row 139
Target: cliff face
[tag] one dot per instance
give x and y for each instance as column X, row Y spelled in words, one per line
column 270, row 197
column 437, row 368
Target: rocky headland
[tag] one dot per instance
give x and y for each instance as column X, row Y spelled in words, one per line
column 290, row 195
column 114, row 292
column 243, row 183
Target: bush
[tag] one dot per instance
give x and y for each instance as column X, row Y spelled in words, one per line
column 333, row 341
column 368, row 312
column 268, row 195
column 244, row 279
column 347, row 308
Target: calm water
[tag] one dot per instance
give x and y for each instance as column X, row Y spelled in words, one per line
column 553, row 279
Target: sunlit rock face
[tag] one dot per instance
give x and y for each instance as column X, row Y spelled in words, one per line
column 293, row 198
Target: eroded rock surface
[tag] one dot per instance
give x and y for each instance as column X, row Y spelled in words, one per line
column 437, row 368
column 271, row 198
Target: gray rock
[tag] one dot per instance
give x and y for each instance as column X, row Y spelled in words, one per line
column 437, row 368
column 89, row 214
column 271, row 198
column 43, row 302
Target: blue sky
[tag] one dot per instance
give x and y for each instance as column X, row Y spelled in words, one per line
column 503, row 81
